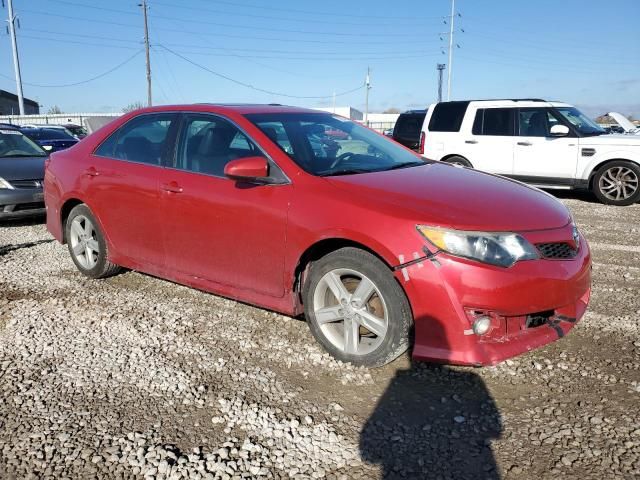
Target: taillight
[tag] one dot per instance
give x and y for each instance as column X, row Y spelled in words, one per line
column 421, row 146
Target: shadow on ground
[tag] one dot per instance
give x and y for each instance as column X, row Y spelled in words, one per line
column 433, row 422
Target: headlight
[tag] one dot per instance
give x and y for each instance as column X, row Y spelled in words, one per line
column 502, row 249
column 4, row 184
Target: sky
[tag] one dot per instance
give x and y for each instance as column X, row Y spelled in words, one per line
column 584, row 52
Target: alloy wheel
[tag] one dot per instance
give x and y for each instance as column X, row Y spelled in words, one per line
column 350, row 311
column 84, row 242
column 618, row 183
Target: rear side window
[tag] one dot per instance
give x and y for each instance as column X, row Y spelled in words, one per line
column 447, row 116
column 493, row 121
column 141, row 139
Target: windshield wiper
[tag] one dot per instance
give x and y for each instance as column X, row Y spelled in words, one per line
column 346, row 171
column 404, row 165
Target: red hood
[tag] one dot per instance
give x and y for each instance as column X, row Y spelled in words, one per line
column 448, row 196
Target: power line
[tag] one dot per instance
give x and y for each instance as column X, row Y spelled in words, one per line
column 103, row 74
column 252, row 87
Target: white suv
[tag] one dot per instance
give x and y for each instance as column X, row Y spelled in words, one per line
column 546, row 144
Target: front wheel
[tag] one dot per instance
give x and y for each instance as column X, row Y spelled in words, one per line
column 618, row 183
column 458, row 160
column 87, row 245
column 355, row 308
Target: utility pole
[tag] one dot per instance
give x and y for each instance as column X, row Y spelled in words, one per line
column 146, row 48
column 16, row 59
column 367, row 87
column 450, row 69
column 440, row 67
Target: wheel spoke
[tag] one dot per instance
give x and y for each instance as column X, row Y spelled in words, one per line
column 93, row 245
column 351, row 336
column 88, row 228
column 364, row 290
column 76, row 229
column 372, row 323
column 336, row 286
column 78, row 249
column 329, row 314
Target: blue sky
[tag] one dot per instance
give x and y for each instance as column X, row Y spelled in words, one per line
column 583, row 52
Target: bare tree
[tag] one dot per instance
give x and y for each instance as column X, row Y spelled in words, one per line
column 132, row 106
column 392, row 110
column 54, row 110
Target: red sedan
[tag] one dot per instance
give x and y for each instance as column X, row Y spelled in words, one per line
column 379, row 248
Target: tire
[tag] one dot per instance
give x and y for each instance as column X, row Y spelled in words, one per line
column 385, row 308
column 87, row 245
column 617, row 183
column 458, row 160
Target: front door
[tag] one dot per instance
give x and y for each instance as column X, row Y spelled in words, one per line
column 219, row 229
column 539, row 157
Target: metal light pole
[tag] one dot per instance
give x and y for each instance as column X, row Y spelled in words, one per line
column 16, row 59
column 449, row 71
column 146, row 48
column 440, row 67
column 367, row 87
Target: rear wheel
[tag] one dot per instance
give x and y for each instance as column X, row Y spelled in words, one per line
column 87, row 244
column 618, row 183
column 355, row 308
column 458, row 160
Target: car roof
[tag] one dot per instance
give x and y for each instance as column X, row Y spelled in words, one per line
column 512, row 102
column 242, row 108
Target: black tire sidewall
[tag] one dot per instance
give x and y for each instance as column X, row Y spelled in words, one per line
column 457, row 159
column 398, row 309
column 101, row 265
column 596, row 183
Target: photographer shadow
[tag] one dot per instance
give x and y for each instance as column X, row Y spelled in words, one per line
column 433, row 422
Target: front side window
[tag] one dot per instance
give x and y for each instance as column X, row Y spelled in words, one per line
column 348, row 149
column 141, row 139
column 580, row 121
column 208, row 143
column 536, row 122
column 493, row 121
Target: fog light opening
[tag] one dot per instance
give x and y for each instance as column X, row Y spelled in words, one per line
column 481, row 325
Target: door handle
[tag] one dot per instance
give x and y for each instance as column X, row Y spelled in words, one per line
column 91, row 172
column 525, row 144
column 471, row 141
column 172, row 187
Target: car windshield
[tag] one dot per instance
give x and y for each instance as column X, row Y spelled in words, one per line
column 580, row 121
column 325, row 145
column 15, row 144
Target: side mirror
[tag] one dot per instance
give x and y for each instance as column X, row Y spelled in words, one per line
column 559, row 131
column 248, row 169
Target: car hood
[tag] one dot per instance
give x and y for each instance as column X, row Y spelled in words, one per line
column 22, row 168
column 447, row 196
column 612, row 139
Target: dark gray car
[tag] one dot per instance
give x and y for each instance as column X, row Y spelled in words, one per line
column 21, row 175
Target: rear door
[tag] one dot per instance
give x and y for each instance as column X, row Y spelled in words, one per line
column 219, row 229
column 121, row 184
column 538, row 156
column 407, row 129
column 489, row 145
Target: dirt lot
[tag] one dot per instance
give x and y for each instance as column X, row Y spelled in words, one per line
column 135, row 376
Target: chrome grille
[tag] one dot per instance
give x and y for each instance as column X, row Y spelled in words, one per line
column 37, row 183
column 558, row 250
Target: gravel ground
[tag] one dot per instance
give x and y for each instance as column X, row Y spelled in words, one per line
column 135, row 377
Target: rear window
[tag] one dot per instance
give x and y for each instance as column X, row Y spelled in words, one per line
column 409, row 125
column 493, row 121
column 447, row 116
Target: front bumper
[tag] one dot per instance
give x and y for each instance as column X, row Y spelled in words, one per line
column 443, row 290
column 21, row 203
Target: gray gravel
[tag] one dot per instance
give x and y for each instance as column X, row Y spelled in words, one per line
column 135, row 377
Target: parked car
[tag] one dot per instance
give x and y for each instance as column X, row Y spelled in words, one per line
column 21, row 175
column 388, row 132
column 50, row 139
column 77, row 131
column 551, row 145
column 407, row 128
column 375, row 245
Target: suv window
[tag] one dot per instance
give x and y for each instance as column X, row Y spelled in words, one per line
column 536, row 122
column 208, row 143
column 447, row 116
column 493, row 121
column 141, row 139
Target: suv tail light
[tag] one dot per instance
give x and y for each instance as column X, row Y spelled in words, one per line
column 421, row 146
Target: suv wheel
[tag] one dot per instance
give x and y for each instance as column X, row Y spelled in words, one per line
column 356, row 309
column 87, row 244
column 458, row 160
column 618, row 183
